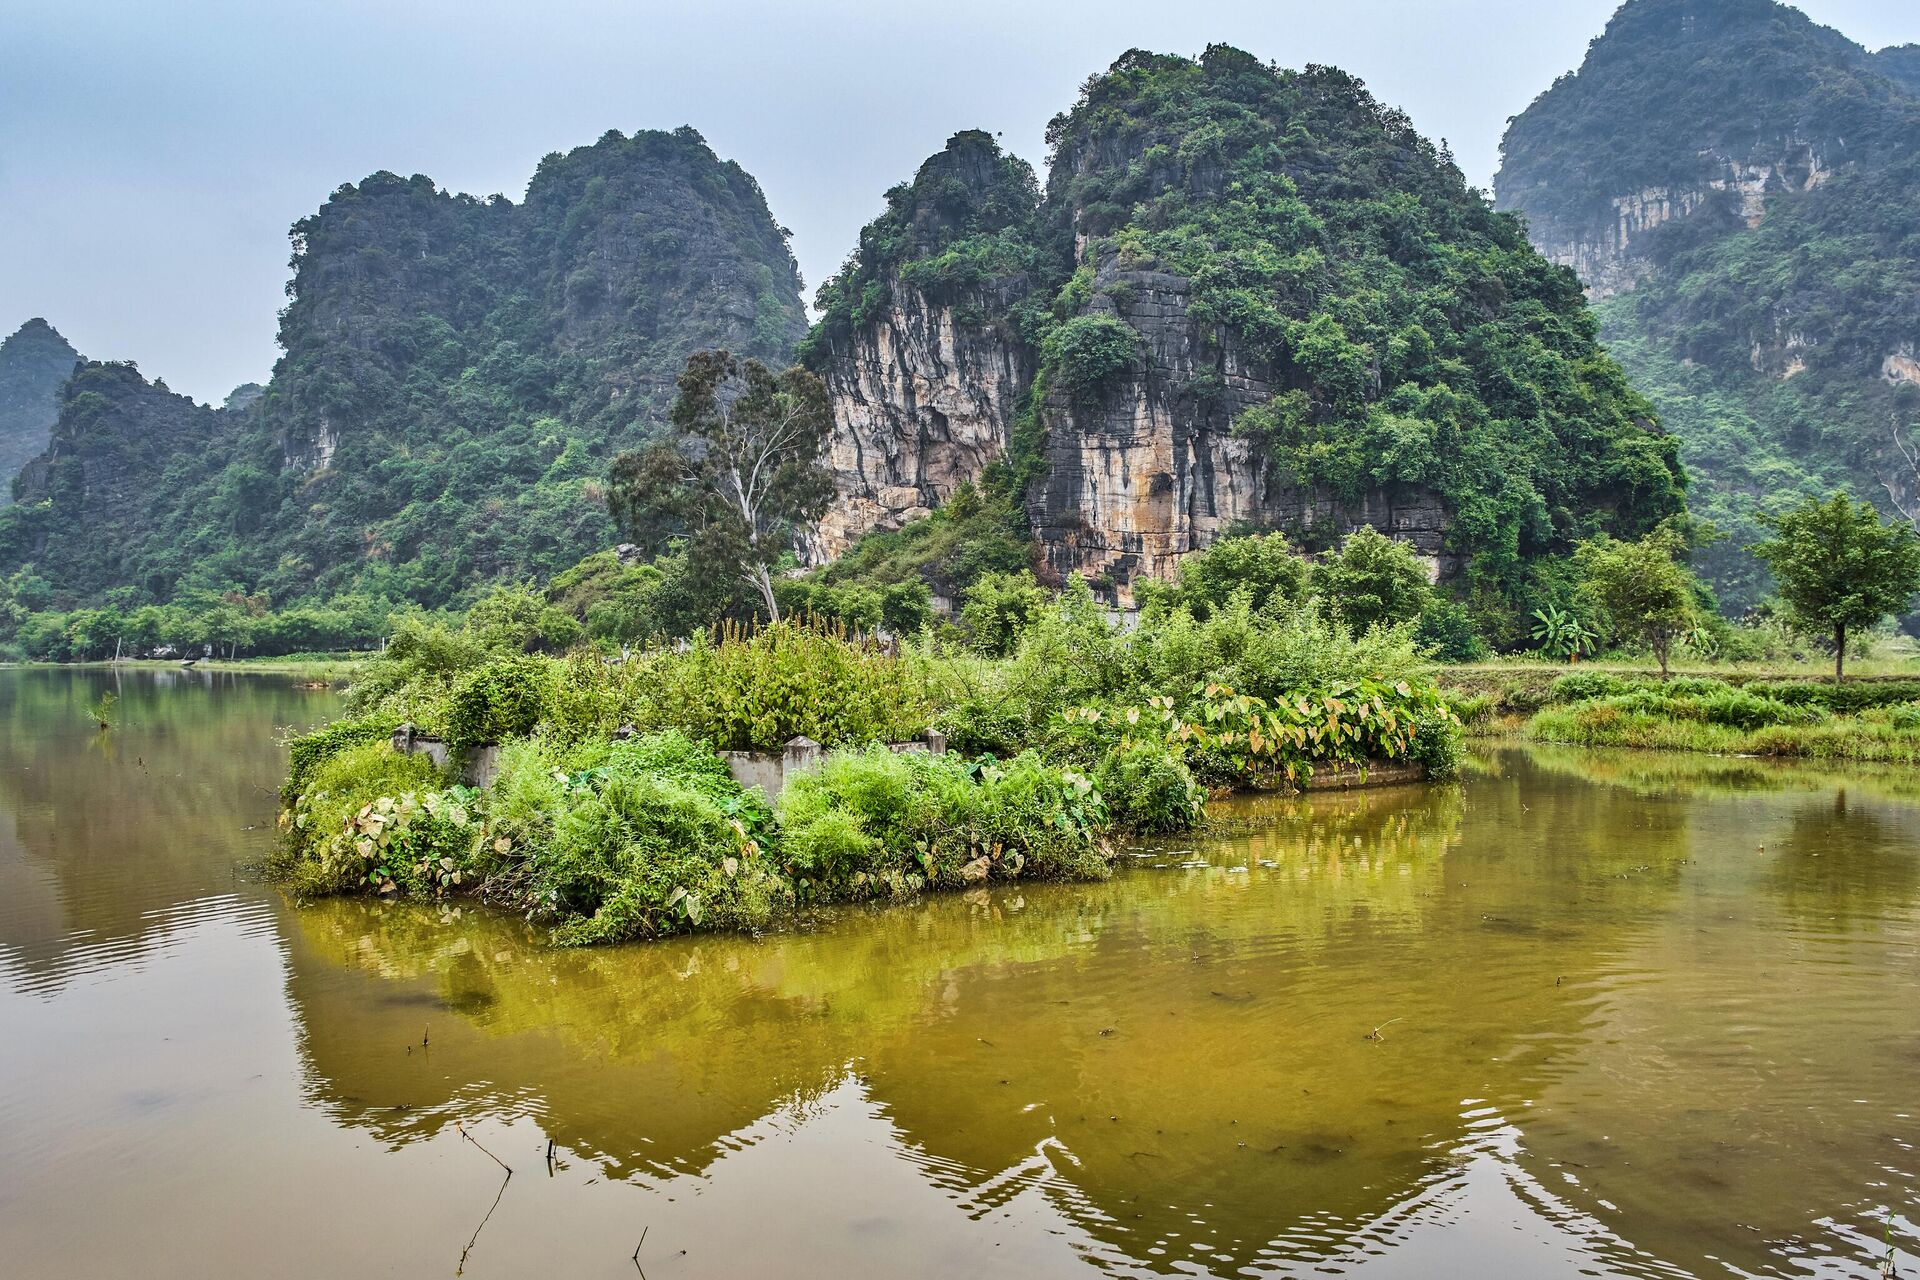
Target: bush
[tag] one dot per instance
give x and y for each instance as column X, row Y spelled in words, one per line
column 880, row 822
column 634, row 839
column 1583, row 686
column 1149, row 789
column 1374, row 581
column 309, row 751
column 637, row 855
column 1446, row 631
column 503, row 699
column 1091, row 353
column 998, row 608
column 1841, row 699
column 1709, row 702
column 1262, row 564
column 757, row 689
column 1472, row 710
column 362, row 822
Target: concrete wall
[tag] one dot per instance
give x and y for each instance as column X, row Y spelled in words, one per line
column 767, row 770
column 770, row 771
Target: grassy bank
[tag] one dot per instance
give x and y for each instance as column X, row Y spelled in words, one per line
column 331, row 668
column 1759, row 713
column 612, row 816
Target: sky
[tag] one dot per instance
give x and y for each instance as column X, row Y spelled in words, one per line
column 153, row 153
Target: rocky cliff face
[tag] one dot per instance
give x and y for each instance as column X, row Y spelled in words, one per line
column 1213, row 320
column 1610, row 247
column 919, row 346
column 1148, row 472
column 924, row 399
column 35, row 362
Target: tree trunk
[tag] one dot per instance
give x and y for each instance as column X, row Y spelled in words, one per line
column 764, row 580
column 1839, row 652
column 1661, row 646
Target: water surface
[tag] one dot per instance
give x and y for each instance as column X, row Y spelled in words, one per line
column 1620, row 1015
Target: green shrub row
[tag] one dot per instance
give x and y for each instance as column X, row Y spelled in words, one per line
column 651, row 836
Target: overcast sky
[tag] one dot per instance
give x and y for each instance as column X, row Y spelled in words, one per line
column 154, row 152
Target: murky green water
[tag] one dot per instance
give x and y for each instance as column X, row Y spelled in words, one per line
column 1584, row 1014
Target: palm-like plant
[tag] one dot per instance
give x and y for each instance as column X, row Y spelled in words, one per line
column 1561, row 634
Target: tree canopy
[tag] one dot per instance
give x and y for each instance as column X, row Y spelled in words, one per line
column 1840, row 568
column 1642, row 589
column 743, row 473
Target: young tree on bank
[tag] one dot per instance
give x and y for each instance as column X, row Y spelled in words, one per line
column 745, row 470
column 1642, row 588
column 1840, row 568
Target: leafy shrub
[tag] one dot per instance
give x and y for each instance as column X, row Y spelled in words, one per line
column 1265, row 565
column 638, row 855
column 1904, row 718
column 1841, row 699
column 1375, row 580
column 757, row 689
column 998, row 608
column 1446, row 631
column 1091, row 353
column 332, row 842
column 1710, row 702
column 503, row 699
column 1471, row 709
column 311, row 750
column 985, row 726
column 1148, row 788
column 876, row 821
column 1638, row 711
column 1582, row 686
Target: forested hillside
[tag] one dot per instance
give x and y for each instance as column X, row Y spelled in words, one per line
column 1739, row 188
column 456, row 375
column 1247, row 297
column 34, row 361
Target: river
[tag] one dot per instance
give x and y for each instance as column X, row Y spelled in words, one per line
column 1581, row 1014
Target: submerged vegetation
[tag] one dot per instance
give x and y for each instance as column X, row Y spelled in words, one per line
column 612, row 816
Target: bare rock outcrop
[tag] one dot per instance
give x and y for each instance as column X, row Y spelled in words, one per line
column 923, row 400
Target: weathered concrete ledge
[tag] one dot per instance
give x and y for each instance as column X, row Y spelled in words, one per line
column 1347, row 779
column 771, row 770
column 767, row 770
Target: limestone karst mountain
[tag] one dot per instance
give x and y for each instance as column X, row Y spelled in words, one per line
column 34, row 363
column 1245, row 297
column 1737, row 186
column 457, row 374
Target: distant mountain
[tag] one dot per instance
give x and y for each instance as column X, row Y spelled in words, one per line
column 457, row 374
column 34, row 362
column 1740, row 190
column 1247, row 296
column 1900, row 63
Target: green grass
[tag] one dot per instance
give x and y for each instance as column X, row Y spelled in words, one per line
column 1728, row 721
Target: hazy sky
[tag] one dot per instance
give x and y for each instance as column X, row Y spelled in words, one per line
column 154, row 152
